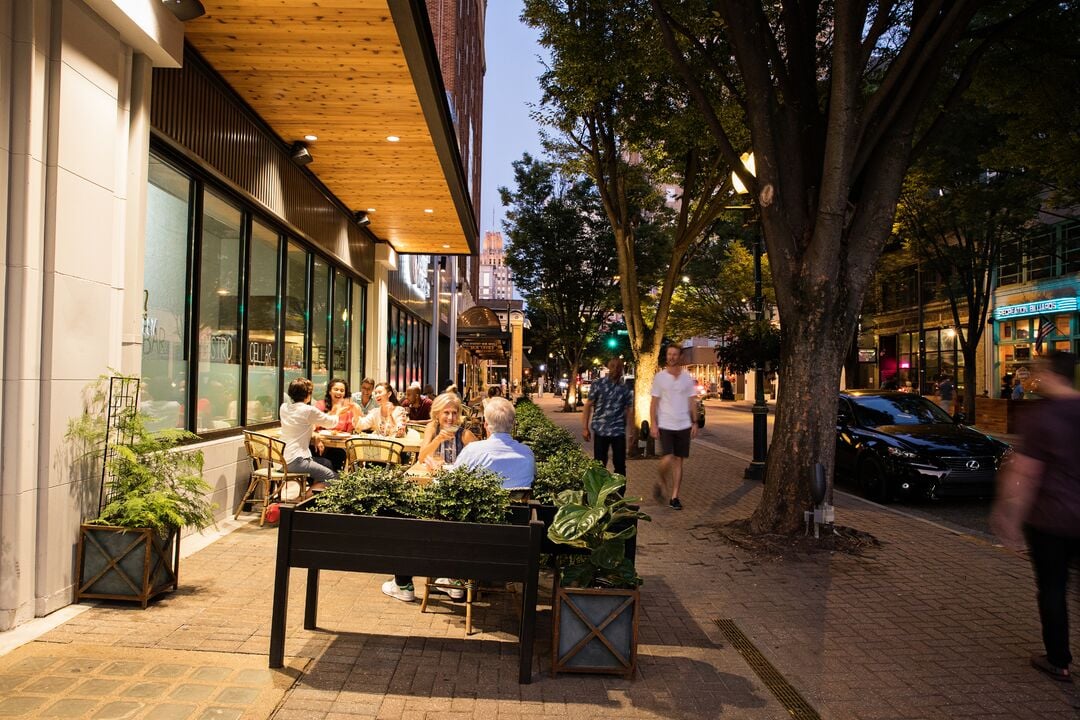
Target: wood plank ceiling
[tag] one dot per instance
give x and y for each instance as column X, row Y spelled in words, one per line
column 335, row 69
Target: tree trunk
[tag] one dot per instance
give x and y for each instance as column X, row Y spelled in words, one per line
column 804, row 431
column 970, row 375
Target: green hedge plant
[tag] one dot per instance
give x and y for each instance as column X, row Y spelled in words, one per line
column 560, row 471
column 372, row 490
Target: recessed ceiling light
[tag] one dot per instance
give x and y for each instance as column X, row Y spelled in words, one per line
column 392, row 138
column 428, row 210
column 371, row 209
column 311, row 138
column 445, row 246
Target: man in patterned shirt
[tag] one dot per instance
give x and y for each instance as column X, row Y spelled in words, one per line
column 609, row 406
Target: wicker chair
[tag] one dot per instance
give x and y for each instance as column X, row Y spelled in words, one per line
column 371, row 451
column 269, row 473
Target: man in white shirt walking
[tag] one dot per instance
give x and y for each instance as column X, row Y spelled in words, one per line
column 671, row 418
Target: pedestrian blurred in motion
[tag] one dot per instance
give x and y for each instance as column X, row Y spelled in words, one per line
column 1039, row 500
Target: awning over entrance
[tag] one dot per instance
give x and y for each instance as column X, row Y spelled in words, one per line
column 480, row 332
column 363, row 77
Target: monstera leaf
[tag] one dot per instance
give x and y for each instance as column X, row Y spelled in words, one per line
column 573, row 522
column 599, row 484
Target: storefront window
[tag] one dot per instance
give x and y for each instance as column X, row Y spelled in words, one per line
column 320, row 327
column 295, row 308
column 340, row 323
column 262, row 318
column 165, row 328
column 224, row 323
column 219, row 310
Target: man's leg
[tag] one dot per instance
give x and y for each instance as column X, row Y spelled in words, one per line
column 1050, row 560
column 676, row 475
column 618, row 453
column 318, row 469
column 600, row 448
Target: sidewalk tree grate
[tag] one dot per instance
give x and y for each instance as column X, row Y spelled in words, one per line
column 777, row 684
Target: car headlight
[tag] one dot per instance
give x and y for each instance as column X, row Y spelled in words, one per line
column 901, row 453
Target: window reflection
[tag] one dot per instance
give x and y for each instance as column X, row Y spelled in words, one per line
column 164, row 361
column 219, row 342
column 320, row 327
column 262, row 321
column 296, row 315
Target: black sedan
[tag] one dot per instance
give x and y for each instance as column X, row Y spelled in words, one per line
column 898, row 443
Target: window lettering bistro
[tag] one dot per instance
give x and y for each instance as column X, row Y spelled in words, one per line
column 234, row 309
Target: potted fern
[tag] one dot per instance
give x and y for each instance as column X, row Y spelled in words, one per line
column 150, row 491
column 596, row 597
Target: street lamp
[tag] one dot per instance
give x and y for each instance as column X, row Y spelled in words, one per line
column 756, row 469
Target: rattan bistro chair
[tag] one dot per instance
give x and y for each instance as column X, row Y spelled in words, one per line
column 269, row 473
column 371, row 451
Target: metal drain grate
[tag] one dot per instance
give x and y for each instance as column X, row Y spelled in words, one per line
column 788, row 696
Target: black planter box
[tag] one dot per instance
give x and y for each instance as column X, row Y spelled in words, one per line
column 115, row 563
column 403, row 546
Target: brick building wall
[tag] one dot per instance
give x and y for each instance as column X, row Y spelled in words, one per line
column 458, row 28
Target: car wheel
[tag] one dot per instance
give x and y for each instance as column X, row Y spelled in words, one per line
column 875, row 484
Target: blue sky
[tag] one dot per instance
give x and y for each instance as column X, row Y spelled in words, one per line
column 509, row 87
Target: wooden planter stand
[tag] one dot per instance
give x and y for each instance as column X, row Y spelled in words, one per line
column 400, row 546
column 115, row 563
column 594, row 631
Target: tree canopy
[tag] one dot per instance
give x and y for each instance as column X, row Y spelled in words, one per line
column 562, row 255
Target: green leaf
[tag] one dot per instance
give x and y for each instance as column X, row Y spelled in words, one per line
column 572, row 522
column 609, row 554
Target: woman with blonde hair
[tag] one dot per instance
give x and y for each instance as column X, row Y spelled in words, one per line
column 444, row 435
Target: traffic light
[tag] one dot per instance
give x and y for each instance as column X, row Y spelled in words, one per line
column 613, row 342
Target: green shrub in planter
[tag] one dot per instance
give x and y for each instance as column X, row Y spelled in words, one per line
column 371, row 491
column 551, row 440
column 562, row 471
column 466, row 495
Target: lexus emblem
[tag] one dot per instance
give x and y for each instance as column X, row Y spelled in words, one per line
column 972, row 464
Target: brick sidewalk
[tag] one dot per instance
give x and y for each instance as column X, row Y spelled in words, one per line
column 934, row 624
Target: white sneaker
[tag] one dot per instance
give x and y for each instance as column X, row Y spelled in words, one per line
column 405, row 594
column 455, row 593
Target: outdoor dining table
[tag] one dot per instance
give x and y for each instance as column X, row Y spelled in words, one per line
column 411, row 441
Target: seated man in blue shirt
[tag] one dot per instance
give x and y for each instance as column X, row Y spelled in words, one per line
column 500, row 453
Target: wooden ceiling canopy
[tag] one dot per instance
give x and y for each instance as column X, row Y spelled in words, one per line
column 353, row 73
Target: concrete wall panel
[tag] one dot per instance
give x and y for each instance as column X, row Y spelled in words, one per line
column 84, row 229
column 87, row 129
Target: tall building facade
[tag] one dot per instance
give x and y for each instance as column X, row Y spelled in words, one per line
column 494, row 274
column 217, row 206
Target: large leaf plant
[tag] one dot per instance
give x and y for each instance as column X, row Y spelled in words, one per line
column 600, row 520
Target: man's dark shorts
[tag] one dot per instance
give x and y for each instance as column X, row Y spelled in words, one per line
column 675, row 442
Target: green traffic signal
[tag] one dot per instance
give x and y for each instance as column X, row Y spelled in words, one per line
column 612, row 342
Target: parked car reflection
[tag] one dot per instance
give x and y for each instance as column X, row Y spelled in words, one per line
column 894, row 443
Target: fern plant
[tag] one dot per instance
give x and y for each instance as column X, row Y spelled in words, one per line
column 153, row 484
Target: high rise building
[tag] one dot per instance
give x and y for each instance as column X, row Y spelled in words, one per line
column 494, row 274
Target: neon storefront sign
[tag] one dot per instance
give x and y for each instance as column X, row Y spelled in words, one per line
column 1038, row 307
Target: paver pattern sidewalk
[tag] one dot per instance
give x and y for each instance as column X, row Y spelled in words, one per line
column 933, row 624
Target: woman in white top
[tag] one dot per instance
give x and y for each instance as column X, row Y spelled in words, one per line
column 388, row 419
column 298, row 419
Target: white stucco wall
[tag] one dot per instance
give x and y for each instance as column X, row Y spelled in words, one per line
column 70, row 236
